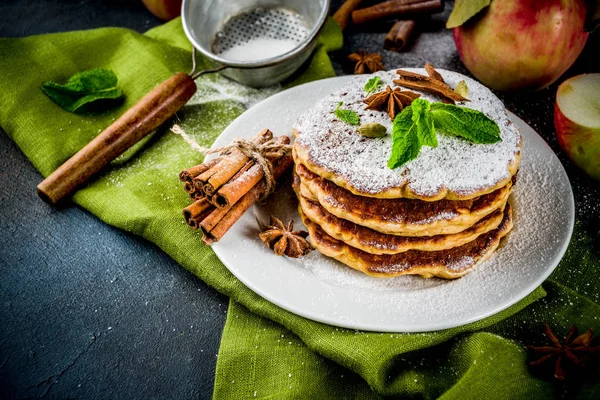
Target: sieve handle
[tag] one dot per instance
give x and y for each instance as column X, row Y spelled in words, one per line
column 144, row 117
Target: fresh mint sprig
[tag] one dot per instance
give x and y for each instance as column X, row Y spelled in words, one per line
column 373, row 84
column 347, row 116
column 465, row 122
column 84, row 88
column 416, row 127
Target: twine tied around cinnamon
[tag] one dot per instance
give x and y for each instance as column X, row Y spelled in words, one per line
column 257, row 152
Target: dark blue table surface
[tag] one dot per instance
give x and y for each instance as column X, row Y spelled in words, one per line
column 89, row 311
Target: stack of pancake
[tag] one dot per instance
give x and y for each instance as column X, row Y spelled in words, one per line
column 441, row 214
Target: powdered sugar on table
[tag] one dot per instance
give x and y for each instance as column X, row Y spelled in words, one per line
column 456, row 164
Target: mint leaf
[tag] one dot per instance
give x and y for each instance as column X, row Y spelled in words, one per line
column 464, row 122
column 84, row 88
column 422, row 118
column 412, row 129
column 373, row 84
column 405, row 140
column 347, row 116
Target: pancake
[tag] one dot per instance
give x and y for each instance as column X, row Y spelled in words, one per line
column 455, row 170
column 404, row 217
column 449, row 264
column 375, row 242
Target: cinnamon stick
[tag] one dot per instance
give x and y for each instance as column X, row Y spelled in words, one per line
column 211, row 220
column 416, row 81
column 196, row 212
column 396, row 8
column 189, row 187
column 342, row 15
column 399, row 35
column 249, row 165
column 193, row 191
column 197, row 196
column 227, row 169
column 194, row 223
column 221, row 173
column 239, row 185
column 433, row 74
column 431, row 88
column 188, row 174
column 198, row 183
column 220, row 220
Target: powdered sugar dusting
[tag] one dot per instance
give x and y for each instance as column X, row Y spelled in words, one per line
column 456, row 164
column 218, row 88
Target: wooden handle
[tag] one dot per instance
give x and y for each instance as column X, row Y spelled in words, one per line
column 141, row 119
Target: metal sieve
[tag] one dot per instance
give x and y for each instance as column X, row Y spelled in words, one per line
column 215, row 26
column 275, row 23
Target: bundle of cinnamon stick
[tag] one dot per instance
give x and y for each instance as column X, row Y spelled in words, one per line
column 225, row 187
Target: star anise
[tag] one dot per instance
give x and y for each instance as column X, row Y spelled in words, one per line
column 365, row 62
column 284, row 239
column 392, row 101
column 573, row 352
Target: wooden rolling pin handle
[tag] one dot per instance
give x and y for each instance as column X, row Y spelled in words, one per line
column 144, row 117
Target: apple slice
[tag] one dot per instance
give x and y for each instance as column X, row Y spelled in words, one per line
column 577, row 121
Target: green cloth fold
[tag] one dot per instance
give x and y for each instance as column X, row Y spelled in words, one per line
column 267, row 352
column 483, row 360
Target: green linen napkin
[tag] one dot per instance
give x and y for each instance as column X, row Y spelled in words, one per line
column 265, row 351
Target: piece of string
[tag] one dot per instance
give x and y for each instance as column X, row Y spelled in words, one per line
column 256, row 152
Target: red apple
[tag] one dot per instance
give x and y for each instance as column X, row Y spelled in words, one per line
column 522, row 44
column 164, row 9
column 577, row 121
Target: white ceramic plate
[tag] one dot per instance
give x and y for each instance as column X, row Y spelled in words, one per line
column 324, row 290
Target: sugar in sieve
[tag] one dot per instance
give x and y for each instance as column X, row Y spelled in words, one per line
column 255, row 42
column 218, row 27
